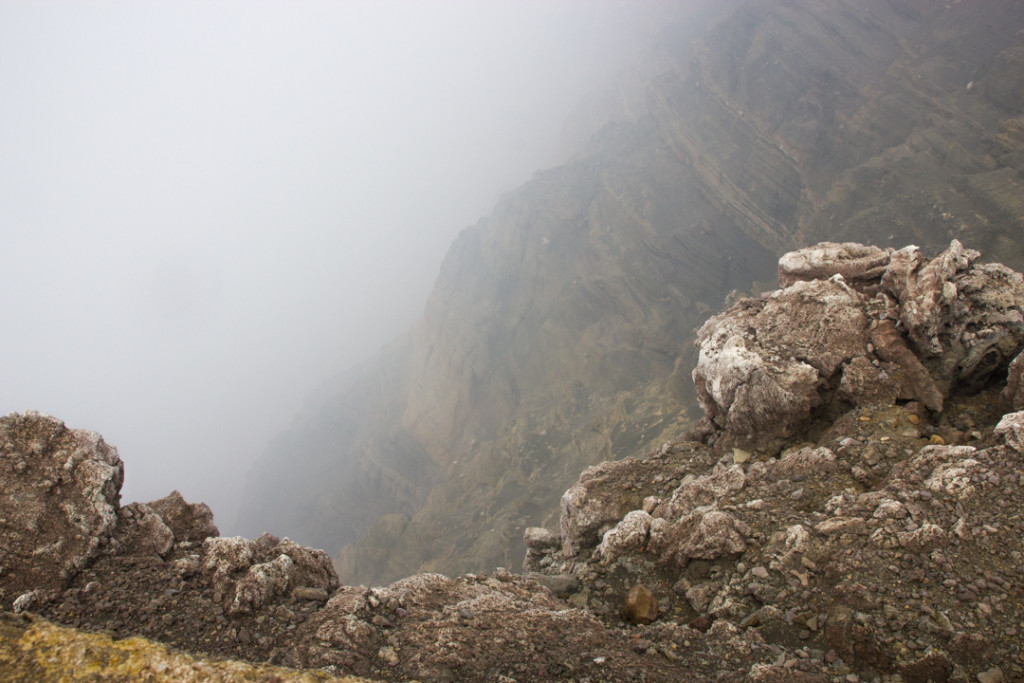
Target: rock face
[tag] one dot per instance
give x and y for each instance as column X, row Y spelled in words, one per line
column 767, row 365
column 559, row 331
column 61, row 497
column 884, row 538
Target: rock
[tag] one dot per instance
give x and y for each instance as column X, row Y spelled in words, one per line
column 192, row 522
column 704, row 534
column 631, row 534
column 1014, row 392
column 605, row 492
column 706, row 489
column 796, row 465
column 224, row 556
column 935, row 666
column 993, row 675
column 142, row 531
column 261, row 583
column 640, row 605
column 915, row 382
column 763, row 364
column 537, row 538
column 61, row 490
column 701, row 595
column 559, row 584
column 311, row 566
column 855, row 263
column 310, row 593
column 1011, row 430
column 924, row 539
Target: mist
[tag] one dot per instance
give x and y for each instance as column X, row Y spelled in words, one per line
column 209, row 208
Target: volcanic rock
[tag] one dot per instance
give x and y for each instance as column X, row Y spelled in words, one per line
column 61, row 493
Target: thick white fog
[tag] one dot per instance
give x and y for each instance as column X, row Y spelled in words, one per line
column 208, row 208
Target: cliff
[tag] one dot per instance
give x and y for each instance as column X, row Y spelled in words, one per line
column 848, row 507
column 559, row 332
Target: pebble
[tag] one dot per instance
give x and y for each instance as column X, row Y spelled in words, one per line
column 993, row 675
column 641, row 607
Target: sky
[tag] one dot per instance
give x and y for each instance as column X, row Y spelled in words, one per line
column 207, row 209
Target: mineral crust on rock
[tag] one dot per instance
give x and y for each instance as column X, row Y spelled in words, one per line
column 61, row 495
column 902, row 327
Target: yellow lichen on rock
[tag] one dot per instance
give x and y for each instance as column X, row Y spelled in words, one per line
column 32, row 649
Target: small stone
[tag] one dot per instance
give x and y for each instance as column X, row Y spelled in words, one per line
column 937, row 440
column 388, row 654
column 993, row 675
column 701, row 623
column 309, row 593
column 740, row 456
column 760, row 572
column 641, row 607
column 559, row 584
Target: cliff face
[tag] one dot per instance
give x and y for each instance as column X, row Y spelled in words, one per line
column 847, row 508
column 560, row 330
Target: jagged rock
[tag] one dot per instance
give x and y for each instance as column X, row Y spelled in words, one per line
column 704, row 534
column 1014, row 392
column 559, row 584
column 189, row 522
column 261, row 583
column 766, row 364
column 856, row 263
column 142, row 531
column 632, row 533
column 224, row 556
column 763, row 364
column 704, row 490
column 606, row 492
column 542, row 546
column 640, row 606
column 312, row 567
column 59, row 504
column 271, row 567
column 538, row 538
column 1011, row 429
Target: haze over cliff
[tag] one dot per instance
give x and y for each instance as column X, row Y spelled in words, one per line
column 209, row 208
column 559, row 332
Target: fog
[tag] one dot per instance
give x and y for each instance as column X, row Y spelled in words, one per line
column 207, row 209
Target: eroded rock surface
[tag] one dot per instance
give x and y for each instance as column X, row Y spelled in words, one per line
column 885, row 538
column 60, row 501
column 902, row 327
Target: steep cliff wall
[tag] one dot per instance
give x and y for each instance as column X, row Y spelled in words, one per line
column 560, row 330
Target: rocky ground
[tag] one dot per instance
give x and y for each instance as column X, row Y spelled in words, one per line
column 849, row 509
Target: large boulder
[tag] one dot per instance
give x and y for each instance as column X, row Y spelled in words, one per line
column 61, row 489
column 862, row 324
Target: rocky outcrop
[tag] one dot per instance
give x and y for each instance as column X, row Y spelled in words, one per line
column 61, row 497
column 558, row 334
column 908, row 328
column 884, row 538
column 188, row 522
